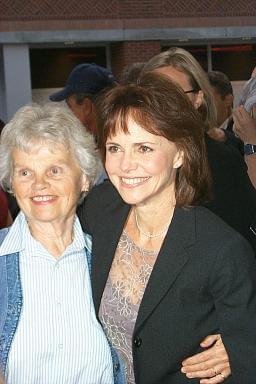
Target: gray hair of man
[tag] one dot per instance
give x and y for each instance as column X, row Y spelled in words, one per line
column 248, row 96
column 183, row 61
column 51, row 124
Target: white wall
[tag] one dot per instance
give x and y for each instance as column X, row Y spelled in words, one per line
column 41, row 96
column 15, row 79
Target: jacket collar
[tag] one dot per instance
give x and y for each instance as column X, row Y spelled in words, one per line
column 172, row 257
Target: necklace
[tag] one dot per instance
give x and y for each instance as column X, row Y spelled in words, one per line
column 148, row 234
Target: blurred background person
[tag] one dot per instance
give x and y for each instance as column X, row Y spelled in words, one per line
column 85, row 82
column 51, row 334
column 234, row 198
column 245, row 126
column 223, row 98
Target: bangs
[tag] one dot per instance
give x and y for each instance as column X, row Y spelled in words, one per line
column 119, row 121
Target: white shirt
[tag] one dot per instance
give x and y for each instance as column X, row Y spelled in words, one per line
column 58, row 339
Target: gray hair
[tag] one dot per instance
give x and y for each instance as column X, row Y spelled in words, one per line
column 248, row 96
column 52, row 124
column 183, row 61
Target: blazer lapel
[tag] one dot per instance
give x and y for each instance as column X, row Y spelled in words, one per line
column 172, row 257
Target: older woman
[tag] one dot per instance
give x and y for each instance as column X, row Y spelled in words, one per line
column 165, row 270
column 48, row 327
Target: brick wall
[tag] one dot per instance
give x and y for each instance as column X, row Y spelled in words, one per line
column 123, row 9
column 126, row 53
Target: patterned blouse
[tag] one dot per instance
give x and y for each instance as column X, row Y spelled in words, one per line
column 129, row 275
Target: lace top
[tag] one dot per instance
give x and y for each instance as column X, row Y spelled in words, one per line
column 129, row 274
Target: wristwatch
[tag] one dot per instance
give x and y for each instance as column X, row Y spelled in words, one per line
column 249, row 149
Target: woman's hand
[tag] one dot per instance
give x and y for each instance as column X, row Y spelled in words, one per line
column 211, row 366
column 244, row 125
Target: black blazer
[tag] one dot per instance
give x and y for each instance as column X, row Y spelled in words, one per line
column 234, row 197
column 203, row 282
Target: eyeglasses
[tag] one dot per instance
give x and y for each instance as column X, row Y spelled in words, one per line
column 192, row 91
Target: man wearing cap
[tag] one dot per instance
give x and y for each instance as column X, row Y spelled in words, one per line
column 83, row 85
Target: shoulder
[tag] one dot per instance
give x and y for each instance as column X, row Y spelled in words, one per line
column 102, row 196
column 208, row 221
column 101, row 200
column 205, row 224
column 234, row 198
column 215, row 233
column 226, row 155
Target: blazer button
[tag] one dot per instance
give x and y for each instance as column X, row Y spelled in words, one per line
column 137, row 341
column 116, row 367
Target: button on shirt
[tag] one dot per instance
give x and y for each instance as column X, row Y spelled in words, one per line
column 58, row 339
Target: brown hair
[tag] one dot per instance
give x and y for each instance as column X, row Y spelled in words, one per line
column 221, row 82
column 160, row 107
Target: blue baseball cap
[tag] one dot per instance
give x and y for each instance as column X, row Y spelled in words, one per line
column 85, row 78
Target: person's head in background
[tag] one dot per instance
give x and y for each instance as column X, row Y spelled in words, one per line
column 84, row 84
column 131, row 73
column 180, row 66
column 223, row 95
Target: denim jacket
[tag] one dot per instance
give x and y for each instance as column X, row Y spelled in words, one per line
column 11, row 301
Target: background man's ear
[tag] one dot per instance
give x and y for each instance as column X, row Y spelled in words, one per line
column 229, row 99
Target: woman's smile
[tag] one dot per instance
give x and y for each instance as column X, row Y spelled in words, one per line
column 133, row 181
column 44, row 199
